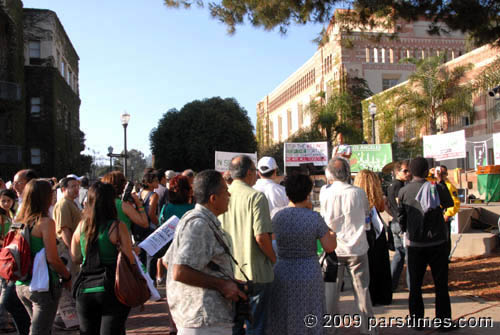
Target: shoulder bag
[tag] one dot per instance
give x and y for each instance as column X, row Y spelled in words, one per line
column 131, row 289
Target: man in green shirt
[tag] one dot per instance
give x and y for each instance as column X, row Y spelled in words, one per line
column 248, row 223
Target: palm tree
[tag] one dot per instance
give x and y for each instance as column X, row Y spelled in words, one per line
column 434, row 91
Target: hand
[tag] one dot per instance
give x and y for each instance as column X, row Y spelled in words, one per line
column 230, row 291
column 446, row 218
column 137, row 201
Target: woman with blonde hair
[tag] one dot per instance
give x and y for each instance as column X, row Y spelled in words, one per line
column 378, row 254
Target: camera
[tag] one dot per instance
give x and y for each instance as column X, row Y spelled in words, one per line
column 242, row 307
column 127, row 194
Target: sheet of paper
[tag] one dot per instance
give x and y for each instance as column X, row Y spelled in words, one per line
column 160, row 237
column 377, row 222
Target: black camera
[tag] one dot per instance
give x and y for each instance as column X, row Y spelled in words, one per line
column 242, row 307
column 127, row 194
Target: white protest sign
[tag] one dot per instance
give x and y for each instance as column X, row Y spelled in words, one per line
column 160, row 237
column 445, row 146
column 308, row 152
column 223, row 159
column 496, row 147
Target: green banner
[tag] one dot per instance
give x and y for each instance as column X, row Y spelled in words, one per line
column 370, row 156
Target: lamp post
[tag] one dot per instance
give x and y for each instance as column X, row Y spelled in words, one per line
column 372, row 108
column 110, row 154
column 125, row 118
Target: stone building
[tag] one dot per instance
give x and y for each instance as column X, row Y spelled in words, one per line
column 46, row 128
column 356, row 53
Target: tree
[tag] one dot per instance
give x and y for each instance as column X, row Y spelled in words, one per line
column 136, row 163
column 434, row 92
column 189, row 138
column 481, row 18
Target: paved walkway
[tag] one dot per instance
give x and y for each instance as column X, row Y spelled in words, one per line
column 154, row 319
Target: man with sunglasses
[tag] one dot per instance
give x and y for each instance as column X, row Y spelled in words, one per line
column 401, row 176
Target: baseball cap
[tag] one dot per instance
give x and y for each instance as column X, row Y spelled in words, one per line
column 266, row 164
column 74, row 176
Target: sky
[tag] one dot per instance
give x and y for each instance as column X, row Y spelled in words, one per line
column 142, row 57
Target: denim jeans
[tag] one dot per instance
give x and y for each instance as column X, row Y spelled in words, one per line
column 13, row 305
column 258, row 306
column 41, row 306
column 398, row 260
column 101, row 313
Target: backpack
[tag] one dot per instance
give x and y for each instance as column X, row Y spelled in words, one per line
column 16, row 261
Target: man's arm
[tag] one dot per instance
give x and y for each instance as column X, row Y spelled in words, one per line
column 402, row 215
column 392, row 194
column 265, row 244
column 66, row 236
column 189, row 276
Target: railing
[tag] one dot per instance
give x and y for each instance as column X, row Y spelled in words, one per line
column 10, row 91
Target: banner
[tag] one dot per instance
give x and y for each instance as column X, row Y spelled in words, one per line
column 445, row 146
column 480, row 158
column 496, row 148
column 160, row 237
column 223, row 159
column 370, row 156
column 301, row 153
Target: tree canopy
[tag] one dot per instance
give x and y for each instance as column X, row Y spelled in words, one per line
column 480, row 18
column 189, row 138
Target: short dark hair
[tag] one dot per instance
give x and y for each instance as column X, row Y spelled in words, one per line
column 160, row 173
column 11, row 194
column 398, row 165
column 298, row 187
column 84, row 182
column 419, row 167
column 179, row 190
column 205, row 184
column 268, row 174
column 148, row 178
column 444, row 167
column 65, row 181
column 239, row 166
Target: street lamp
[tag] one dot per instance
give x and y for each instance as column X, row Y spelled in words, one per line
column 372, row 108
column 110, row 154
column 125, row 118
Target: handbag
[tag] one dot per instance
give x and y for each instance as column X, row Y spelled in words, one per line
column 131, row 289
column 329, row 266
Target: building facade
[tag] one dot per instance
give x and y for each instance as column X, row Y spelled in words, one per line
column 47, row 134
column 373, row 56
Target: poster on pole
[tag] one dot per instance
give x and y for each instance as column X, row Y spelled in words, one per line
column 223, row 159
column 295, row 154
column 370, row 156
column 480, row 158
column 160, row 237
column 445, row 146
column 496, row 148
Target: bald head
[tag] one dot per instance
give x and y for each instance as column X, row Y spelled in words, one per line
column 243, row 168
column 339, row 169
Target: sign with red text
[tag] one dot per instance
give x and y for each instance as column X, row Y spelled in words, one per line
column 304, row 153
column 445, row 146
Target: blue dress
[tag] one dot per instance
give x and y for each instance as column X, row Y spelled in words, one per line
column 298, row 289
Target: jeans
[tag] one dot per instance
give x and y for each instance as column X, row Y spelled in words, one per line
column 13, row 305
column 258, row 307
column 101, row 313
column 398, row 260
column 437, row 258
column 360, row 274
column 41, row 306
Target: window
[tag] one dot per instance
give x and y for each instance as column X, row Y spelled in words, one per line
column 70, row 75
column 34, row 52
column 36, row 107
column 63, row 66
column 367, row 55
column 280, row 128
column 300, row 115
column 36, row 156
column 289, row 122
column 388, row 83
column 375, row 55
column 382, row 55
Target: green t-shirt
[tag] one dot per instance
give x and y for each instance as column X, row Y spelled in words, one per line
column 107, row 251
column 121, row 215
column 248, row 216
column 170, row 210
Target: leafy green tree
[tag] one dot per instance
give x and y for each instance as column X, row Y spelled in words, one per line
column 478, row 17
column 434, row 91
column 136, row 163
column 189, row 138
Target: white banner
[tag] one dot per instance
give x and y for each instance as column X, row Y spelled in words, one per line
column 496, row 148
column 302, row 153
column 160, row 237
column 223, row 159
column 480, row 158
column 445, row 146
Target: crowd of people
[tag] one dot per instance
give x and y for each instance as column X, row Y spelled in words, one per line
column 244, row 257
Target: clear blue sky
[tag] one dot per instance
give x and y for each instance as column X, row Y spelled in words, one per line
column 145, row 58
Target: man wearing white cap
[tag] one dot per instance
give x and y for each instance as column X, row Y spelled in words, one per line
column 274, row 192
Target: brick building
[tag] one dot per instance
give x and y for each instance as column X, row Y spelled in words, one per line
column 282, row 112
column 44, row 116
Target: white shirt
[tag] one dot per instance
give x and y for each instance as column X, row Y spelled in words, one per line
column 160, row 191
column 346, row 208
column 275, row 193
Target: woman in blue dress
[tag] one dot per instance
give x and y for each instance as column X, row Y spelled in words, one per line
column 298, row 289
